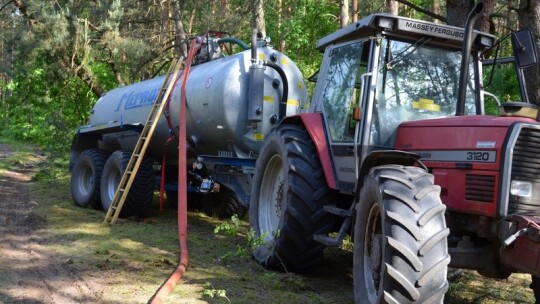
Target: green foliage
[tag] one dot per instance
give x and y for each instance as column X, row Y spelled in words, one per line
column 43, row 111
column 501, row 81
column 302, row 25
column 232, row 229
column 58, row 56
column 211, row 292
column 229, row 228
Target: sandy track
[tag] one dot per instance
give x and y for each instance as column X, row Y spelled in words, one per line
column 30, row 272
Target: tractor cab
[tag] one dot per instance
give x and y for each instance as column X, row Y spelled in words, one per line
column 385, row 70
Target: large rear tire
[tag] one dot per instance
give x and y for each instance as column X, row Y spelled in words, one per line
column 400, row 247
column 86, row 178
column 140, row 195
column 288, row 193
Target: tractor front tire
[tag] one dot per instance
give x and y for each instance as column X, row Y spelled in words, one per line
column 140, row 195
column 288, row 193
column 400, row 248
column 86, row 178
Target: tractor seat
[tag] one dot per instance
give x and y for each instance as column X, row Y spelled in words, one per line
column 520, row 109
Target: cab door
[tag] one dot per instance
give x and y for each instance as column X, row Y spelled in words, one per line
column 339, row 88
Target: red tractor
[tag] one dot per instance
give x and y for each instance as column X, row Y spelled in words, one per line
column 397, row 149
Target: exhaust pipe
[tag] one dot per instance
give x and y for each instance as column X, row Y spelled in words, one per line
column 466, row 54
column 254, row 45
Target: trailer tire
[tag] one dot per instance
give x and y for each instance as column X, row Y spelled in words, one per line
column 140, row 195
column 223, row 205
column 86, row 178
column 288, row 193
column 400, row 249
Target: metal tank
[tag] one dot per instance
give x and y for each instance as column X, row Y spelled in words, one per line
column 218, row 99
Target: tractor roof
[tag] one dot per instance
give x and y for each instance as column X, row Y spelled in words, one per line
column 405, row 28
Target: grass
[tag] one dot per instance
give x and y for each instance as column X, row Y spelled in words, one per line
column 131, row 259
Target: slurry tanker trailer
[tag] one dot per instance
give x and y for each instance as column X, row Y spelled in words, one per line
column 232, row 100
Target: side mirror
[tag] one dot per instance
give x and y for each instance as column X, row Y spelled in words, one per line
column 524, row 48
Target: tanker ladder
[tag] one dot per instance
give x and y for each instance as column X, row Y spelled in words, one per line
column 144, row 139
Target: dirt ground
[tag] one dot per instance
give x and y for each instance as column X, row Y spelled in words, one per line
column 30, row 272
column 113, row 264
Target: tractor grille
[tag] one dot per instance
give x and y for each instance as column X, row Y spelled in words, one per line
column 526, row 158
column 526, row 167
column 480, row 188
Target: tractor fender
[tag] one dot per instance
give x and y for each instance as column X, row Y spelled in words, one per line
column 314, row 125
column 387, row 157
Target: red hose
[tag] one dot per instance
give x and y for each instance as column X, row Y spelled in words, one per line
column 168, row 286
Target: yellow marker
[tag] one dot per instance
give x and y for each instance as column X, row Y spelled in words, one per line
column 268, row 98
column 426, row 104
column 292, row 102
column 300, row 85
column 262, row 56
column 284, row 61
column 258, row 136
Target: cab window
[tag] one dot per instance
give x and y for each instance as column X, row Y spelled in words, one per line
column 339, row 90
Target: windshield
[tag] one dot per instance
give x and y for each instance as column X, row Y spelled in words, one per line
column 415, row 81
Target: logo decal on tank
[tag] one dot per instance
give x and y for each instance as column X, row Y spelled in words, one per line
column 134, row 100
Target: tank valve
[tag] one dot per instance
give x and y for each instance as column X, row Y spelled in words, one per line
column 258, row 111
column 273, row 57
column 273, row 119
column 276, row 83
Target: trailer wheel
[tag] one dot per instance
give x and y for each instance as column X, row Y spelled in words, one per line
column 400, row 248
column 86, row 178
column 142, row 189
column 223, row 205
column 288, row 192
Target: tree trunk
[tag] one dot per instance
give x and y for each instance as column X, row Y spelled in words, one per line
column 457, row 11
column 483, row 23
column 354, row 11
column 435, row 9
column 258, row 17
column 283, row 44
column 179, row 29
column 393, row 7
column 343, row 13
column 529, row 16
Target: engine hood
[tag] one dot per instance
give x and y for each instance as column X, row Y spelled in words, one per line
column 467, row 121
column 455, row 133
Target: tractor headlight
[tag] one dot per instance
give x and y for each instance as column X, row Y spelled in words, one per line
column 385, row 23
column 521, row 188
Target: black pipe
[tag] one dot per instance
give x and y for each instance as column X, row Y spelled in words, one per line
column 466, row 54
column 285, row 97
column 236, row 41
